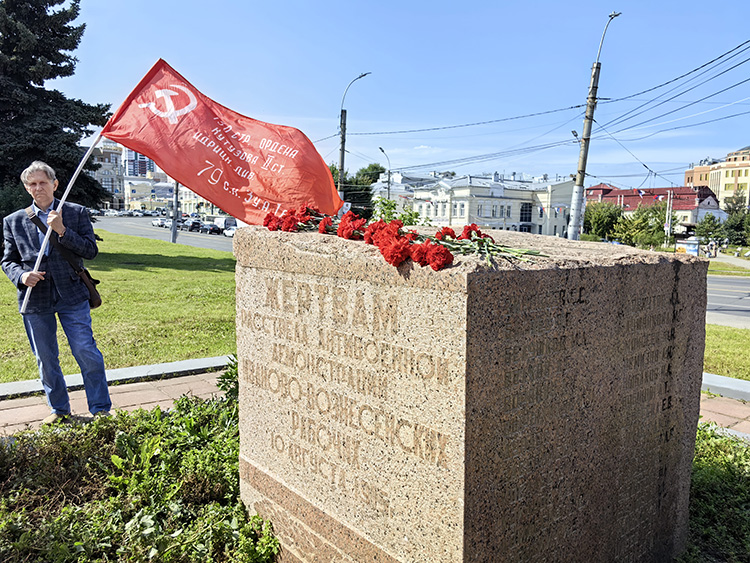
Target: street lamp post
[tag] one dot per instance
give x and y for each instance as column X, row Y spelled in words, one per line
column 389, row 171
column 576, row 202
column 343, row 130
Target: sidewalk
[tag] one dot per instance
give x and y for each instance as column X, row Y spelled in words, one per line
column 741, row 263
column 22, row 404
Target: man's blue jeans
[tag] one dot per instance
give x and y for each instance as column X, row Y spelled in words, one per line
column 41, row 329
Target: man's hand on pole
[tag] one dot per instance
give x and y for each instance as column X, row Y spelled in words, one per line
column 30, row 279
column 55, row 222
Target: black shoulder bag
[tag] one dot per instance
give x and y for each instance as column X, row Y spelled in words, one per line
column 94, row 298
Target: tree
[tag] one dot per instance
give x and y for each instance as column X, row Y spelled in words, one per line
column 708, row 229
column 36, row 42
column 736, row 203
column 600, row 218
column 734, row 227
column 357, row 188
column 645, row 227
column 385, row 209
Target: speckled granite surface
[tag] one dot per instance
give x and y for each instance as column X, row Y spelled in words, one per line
column 538, row 411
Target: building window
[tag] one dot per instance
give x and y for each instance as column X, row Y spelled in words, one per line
column 556, row 214
column 541, row 213
column 461, row 210
column 494, row 210
column 455, row 210
column 554, row 230
column 526, row 213
column 540, row 229
column 479, row 210
column 507, row 211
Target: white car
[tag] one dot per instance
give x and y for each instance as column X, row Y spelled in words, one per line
column 111, row 213
column 158, row 222
column 230, row 231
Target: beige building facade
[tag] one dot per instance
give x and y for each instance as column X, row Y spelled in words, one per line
column 725, row 178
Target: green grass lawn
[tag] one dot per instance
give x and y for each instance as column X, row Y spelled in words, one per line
column 724, row 269
column 163, row 302
column 727, row 351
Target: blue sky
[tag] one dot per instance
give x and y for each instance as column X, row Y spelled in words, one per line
column 438, row 65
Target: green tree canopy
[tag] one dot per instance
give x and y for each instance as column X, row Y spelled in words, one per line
column 600, row 218
column 357, row 188
column 708, row 228
column 645, row 227
column 736, row 203
column 36, row 41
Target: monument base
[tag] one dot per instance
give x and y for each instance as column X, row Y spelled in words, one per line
column 541, row 411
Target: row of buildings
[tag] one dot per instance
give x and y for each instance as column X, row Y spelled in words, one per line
column 135, row 182
column 538, row 205
column 542, row 206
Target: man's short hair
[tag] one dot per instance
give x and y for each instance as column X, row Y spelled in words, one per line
column 38, row 166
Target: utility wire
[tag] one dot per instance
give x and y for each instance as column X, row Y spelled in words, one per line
column 679, row 77
column 624, row 117
column 683, row 107
column 471, row 124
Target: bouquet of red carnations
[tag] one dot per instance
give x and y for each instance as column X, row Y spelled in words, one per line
column 396, row 243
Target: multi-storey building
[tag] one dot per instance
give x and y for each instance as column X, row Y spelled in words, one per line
column 531, row 206
column 136, row 164
column 726, row 178
column 110, row 173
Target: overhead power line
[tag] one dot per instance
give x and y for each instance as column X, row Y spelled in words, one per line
column 471, row 124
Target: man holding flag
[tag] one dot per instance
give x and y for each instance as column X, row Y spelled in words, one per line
column 58, row 291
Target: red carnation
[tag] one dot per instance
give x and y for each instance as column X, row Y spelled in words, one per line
column 445, row 232
column 372, row 230
column 468, row 229
column 324, row 224
column 272, row 222
column 411, row 235
column 289, row 223
column 439, row 257
column 396, row 252
column 419, row 252
column 350, row 226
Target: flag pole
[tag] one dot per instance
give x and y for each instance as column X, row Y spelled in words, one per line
column 45, row 242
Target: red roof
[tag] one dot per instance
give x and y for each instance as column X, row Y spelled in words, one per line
column 683, row 197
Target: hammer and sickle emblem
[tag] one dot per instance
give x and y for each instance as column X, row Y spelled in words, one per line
column 171, row 114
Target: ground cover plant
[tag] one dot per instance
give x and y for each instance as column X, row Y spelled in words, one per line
column 145, row 486
column 163, row 302
column 719, row 499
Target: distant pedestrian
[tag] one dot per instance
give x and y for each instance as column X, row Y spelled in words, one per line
column 58, row 292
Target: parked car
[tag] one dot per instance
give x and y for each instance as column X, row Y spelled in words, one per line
column 210, row 228
column 111, row 213
column 230, row 231
column 189, row 225
column 158, row 222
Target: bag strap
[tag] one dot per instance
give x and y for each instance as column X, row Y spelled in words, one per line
column 67, row 254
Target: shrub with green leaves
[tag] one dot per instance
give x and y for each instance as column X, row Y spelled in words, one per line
column 719, row 499
column 143, row 486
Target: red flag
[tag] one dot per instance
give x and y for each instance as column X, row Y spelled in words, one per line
column 246, row 167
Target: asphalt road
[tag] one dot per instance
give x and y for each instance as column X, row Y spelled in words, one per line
column 142, row 227
column 728, row 297
column 728, row 301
